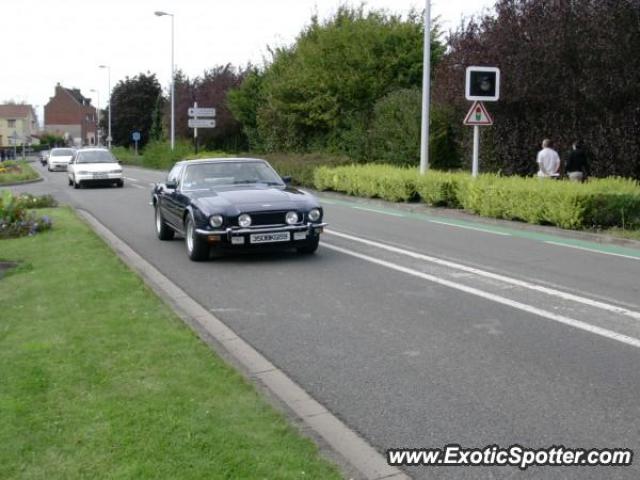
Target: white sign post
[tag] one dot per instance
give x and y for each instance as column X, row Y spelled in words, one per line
column 196, row 122
column 477, row 116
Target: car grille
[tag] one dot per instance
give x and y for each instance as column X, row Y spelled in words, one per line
column 266, row 218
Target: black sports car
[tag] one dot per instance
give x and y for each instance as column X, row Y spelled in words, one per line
column 234, row 203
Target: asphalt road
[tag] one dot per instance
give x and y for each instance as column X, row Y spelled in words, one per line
column 421, row 331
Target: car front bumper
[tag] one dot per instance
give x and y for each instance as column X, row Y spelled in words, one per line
column 58, row 166
column 247, row 236
column 98, row 177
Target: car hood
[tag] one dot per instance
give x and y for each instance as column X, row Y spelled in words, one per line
column 258, row 198
column 97, row 167
column 60, row 159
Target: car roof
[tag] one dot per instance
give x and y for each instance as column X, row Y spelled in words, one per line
column 218, row 160
column 93, row 149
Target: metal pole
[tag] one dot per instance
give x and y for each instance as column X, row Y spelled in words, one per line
column 426, row 88
column 97, row 116
column 109, row 80
column 476, row 150
column 195, row 129
column 173, row 91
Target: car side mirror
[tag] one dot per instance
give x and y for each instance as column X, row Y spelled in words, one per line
column 287, row 179
column 171, row 185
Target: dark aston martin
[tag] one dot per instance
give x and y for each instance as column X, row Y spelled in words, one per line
column 234, row 203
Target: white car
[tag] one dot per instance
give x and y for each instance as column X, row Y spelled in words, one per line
column 59, row 158
column 94, row 166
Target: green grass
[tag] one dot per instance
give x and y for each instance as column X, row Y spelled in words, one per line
column 16, row 171
column 99, row 379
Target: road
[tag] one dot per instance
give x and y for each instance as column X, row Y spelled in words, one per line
column 421, row 331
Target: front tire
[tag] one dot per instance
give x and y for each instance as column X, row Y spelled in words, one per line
column 76, row 184
column 197, row 249
column 310, row 246
column 163, row 231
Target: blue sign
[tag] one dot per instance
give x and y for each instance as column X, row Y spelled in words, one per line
column 135, row 136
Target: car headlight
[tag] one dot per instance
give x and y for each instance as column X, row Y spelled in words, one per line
column 314, row 214
column 215, row 220
column 244, row 220
column 114, row 171
column 291, row 218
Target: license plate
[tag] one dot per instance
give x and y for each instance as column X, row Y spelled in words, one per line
column 100, row 175
column 269, row 237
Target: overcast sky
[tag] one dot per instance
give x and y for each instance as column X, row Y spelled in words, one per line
column 47, row 41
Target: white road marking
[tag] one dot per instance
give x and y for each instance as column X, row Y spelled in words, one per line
column 520, row 283
column 132, row 179
column 469, row 227
column 393, row 214
column 603, row 332
column 559, row 244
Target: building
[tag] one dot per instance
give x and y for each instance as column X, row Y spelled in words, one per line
column 69, row 114
column 18, row 125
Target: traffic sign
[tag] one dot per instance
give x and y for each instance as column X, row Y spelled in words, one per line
column 135, row 136
column 478, row 115
column 202, row 123
column 483, row 84
column 202, row 112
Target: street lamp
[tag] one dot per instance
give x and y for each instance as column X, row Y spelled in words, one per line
column 426, row 88
column 109, row 80
column 173, row 76
column 97, row 116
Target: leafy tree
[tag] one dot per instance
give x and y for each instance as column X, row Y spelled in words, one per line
column 132, row 102
column 320, row 92
column 570, row 70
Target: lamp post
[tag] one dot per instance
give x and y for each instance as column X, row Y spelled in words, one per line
column 426, row 90
column 97, row 116
column 173, row 77
column 109, row 80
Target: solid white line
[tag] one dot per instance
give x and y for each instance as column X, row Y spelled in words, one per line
column 483, row 273
column 470, row 228
column 603, row 332
column 379, row 211
column 132, row 179
column 559, row 244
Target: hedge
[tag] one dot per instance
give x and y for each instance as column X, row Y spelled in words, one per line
column 609, row 202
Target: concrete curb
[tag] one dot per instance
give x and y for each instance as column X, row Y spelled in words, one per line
column 344, row 442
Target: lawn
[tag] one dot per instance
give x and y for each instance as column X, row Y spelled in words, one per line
column 99, row 379
column 16, row 171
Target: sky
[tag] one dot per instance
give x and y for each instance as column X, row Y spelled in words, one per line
column 46, row 42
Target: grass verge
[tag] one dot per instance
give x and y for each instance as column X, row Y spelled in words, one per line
column 16, row 171
column 99, row 379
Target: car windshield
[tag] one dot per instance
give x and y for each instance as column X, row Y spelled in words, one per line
column 208, row 175
column 97, row 156
column 63, row 152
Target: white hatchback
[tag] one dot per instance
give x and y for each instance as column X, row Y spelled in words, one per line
column 59, row 158
column 94, row 166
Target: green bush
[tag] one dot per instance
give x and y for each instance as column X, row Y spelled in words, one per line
column 15, row 218
column 610, row 202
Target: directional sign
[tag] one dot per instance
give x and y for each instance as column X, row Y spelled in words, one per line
column 478, row 115
column 202, row 123
column 135, row 136
column 202, row 112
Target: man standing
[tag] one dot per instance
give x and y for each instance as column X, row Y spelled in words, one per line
column 577, row 163
column 548, row 161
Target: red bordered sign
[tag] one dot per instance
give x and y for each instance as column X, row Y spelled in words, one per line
column 478, row 115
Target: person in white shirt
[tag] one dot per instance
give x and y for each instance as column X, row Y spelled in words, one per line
column 548, row 161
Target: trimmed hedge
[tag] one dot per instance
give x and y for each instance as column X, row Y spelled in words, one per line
column 609, row 202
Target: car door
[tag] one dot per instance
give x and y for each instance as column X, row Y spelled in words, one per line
column 169, row 205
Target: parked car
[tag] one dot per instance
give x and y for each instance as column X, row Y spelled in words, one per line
column 94, row 166
column 59, row 158
column 44, row 157
column 234, row 203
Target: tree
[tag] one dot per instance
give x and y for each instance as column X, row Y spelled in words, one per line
column 320, row 92
column 570, row 70
column 132, row 102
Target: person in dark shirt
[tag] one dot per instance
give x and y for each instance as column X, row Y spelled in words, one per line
column 577, row 163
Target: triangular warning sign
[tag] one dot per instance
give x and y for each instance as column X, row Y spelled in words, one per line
column 478, row 115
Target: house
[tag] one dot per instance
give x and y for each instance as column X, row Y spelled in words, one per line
column 18, row 125
column 69, row 114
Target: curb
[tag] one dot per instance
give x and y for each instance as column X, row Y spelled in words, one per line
column 24, row 182
column 345, row 444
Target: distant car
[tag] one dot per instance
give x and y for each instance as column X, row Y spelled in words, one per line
column 44, row 157
column 94, row 166
column 59, row 158
column 234, row 203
